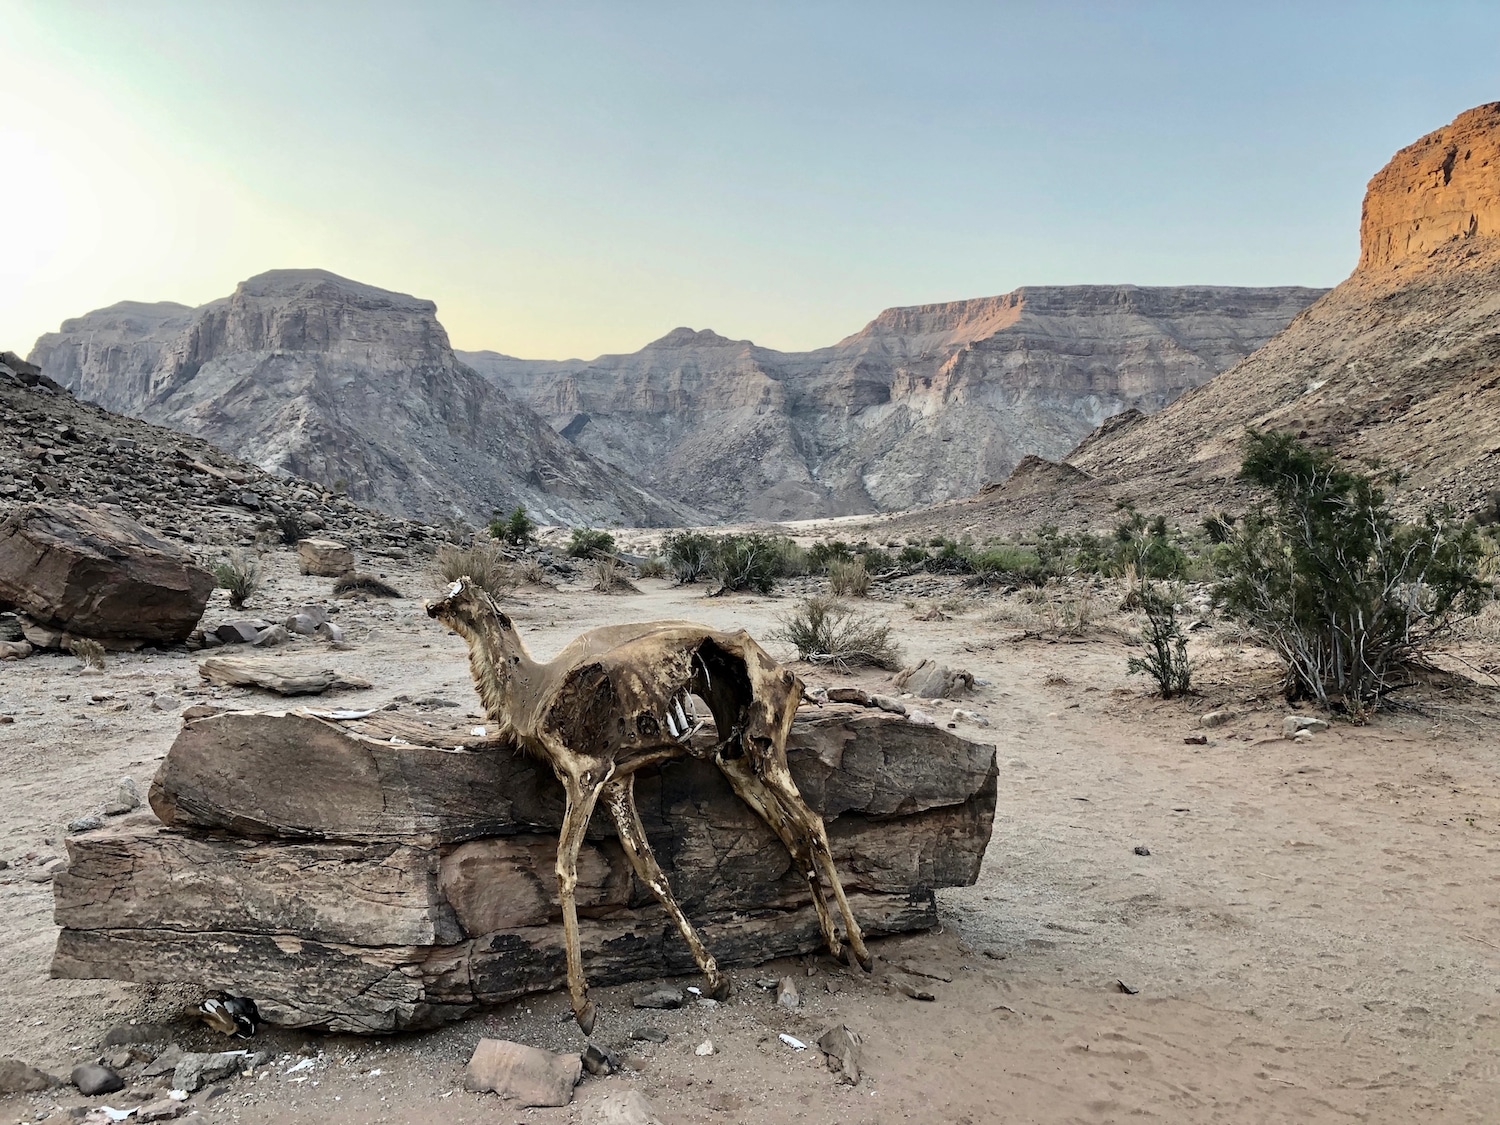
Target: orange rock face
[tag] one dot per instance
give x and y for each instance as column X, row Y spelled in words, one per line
column 1442, row 189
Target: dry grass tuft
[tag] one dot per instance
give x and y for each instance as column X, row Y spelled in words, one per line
column 825, row 631
column 484, row 564
column 354, row 583
column 89, row 651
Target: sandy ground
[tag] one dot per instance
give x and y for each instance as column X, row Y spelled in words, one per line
column 1315, row 935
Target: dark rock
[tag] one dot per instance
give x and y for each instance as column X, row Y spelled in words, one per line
column 661, row 998
column 649, row 1034
column 1141, row 849
column 92, row 1079
column 98, row 575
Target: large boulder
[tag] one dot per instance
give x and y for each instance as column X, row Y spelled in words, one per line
column 91, row 573
column 324, row 557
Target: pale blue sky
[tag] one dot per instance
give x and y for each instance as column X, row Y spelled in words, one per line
column 569, row 179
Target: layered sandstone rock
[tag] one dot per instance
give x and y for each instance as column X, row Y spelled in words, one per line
column 379, row 873
column 1442, row 189
column 350, row 386
column 923, row 404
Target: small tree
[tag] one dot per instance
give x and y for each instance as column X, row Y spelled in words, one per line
column 1166, row 660
column 689, row 554
column 517, row 529
column 1342, row 592
column 590, row 543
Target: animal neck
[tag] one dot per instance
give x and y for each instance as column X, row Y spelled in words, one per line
column 504, row 672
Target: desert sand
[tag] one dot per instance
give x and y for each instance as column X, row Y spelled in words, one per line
column 1314, row 936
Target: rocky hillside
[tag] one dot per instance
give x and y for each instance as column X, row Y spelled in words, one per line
column 347, row 386
column 923, row 404
column 56, row 447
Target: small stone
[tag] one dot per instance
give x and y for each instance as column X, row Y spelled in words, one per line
column 331, row 633
column 1141, row 849
column 17, row 1077
column 165, row 701
column 163, row 1109
column 704, row 1049
column 165, row 1063
column 196, row 1068
column 627, row 1108
column 598, row 1061
column 92, row 1079
column 270, row 638
column 127, row 798
column 649, row 1034
column 660, row 998
column 1303, row 736
column 1215, row 718
column 843, row 1049
column 1292, row 724
column 84, row 824
column 531, row 1076
column 786, row 994
column 920, row 718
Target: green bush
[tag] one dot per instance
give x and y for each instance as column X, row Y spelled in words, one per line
column 912, row 556
column 654, row 567
column 747, row 562
column 517, row 529
column 689, row 554
column 1007, row 564
column 825, row 631
column 825, row 551
column 590, row 542
column 1166, row 660
column 1344, row 593
column 1144, row 548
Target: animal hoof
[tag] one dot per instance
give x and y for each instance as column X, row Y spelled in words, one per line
column 723, row 989
column 586, row 1018
column 867, row 963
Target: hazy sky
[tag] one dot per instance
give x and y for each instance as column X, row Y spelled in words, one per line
column 569, row 179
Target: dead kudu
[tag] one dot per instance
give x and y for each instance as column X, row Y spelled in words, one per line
column 615, row 701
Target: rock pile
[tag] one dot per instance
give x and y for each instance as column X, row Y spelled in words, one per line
column 379, row 872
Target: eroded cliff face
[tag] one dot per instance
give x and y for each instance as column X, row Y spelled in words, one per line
column 1399, row 364
column 308, row 373
column 923, row 404
column 1445, row 188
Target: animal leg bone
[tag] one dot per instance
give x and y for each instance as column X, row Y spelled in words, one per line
column 619, row 796
column 765, row 803
column 581, row 799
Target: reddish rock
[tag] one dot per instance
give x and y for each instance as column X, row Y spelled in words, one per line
column 95, row 574
column 532, row 1077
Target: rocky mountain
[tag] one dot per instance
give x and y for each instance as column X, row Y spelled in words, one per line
column 1399, row 364
column 921, row 405
column 345, row 385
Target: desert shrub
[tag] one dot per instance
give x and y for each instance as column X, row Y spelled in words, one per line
column 482, row 563
column 1344, row 593
column 1015, row 565
column 1143, row 546
column 654, row 567
column 89, row 651
column 848, row 577
column 826, row 631
column 912, row 556
column 355, row 583
column 746, row 562
column 240, row 574
column 1166, row 660
column 589, row 542
column 791, row 559
column 688, row 554
column 517, row 529
column 609, row 576
column 532, row 572
column 290, row 529
column 826, row 551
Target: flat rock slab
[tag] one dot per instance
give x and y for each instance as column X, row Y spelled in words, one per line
column 324, row 557
column 90, row 573
column 529, row 1076
column 377, row 872
column 283, row 679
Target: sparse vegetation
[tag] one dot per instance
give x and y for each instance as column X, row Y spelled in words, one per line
column 688, row 554
column 1166, row 660
column 240, row 573
column 610, row 577
column 747, row 562
column 654, row 567
column 1344, row 593
column 518, row 529
column 848, row 578
column 291, row 529
column 89, row 652
column 590, row 542
column 483, row 563
column 355, row 583
column 826, row 631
